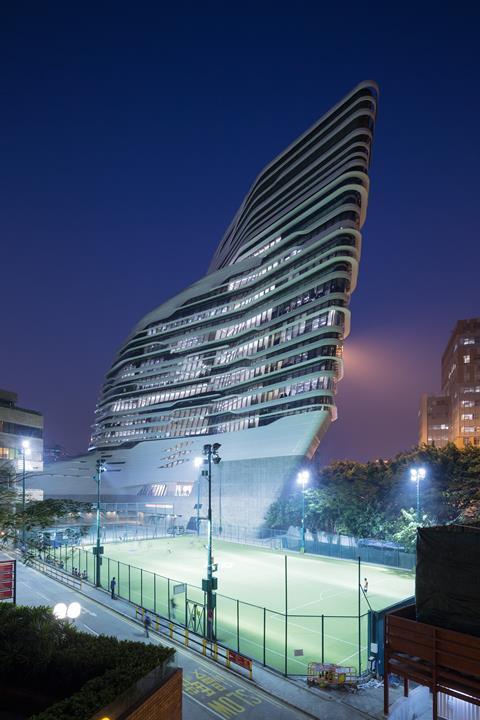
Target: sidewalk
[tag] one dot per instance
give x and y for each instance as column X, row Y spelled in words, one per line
column 321, row 704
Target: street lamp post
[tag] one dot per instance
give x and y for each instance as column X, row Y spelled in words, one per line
column 25, row 452
column 210, row 583
column 97, row 477
column 417, row 474
column 302, row 479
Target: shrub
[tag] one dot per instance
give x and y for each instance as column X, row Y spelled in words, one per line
column 82, row 672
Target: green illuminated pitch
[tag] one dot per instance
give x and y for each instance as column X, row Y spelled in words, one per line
column 256, row 577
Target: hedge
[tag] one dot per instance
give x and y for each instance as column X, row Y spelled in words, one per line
column 83, row 673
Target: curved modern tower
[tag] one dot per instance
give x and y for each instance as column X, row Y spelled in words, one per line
column 250, row 355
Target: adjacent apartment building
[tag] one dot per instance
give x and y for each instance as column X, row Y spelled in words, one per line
column 21, row 431
column 454, row 416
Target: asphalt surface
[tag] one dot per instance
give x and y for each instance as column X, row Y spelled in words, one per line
column 209, row 691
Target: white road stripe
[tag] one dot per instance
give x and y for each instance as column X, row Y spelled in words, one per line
column 89, row 612
column 205, row 707
column 90, row 629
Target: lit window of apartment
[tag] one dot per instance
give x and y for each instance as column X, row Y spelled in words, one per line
column 467, row 416
column 468, row 429
column 466, row 359
column 468, row 403
column 183, row 490
column 469, row 341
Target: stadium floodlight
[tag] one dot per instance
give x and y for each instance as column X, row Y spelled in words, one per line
column 417, row 474
column 302, row 479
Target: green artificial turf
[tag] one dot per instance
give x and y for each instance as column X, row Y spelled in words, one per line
column 255, row 577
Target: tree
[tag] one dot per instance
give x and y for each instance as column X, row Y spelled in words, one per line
column 367, row 499
column 38, row 514
column 406, row 533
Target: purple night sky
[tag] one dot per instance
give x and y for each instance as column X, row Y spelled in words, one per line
column 130, row 134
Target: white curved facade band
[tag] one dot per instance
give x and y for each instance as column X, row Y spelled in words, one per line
column 250, row 355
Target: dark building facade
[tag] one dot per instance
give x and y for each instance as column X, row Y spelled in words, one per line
column 454, row 416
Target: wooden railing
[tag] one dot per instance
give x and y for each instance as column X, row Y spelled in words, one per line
column 443, row 660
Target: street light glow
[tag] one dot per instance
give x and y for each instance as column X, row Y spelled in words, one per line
column 198, row 462
column 25, row 444
column 74, row 610
column 60, row 611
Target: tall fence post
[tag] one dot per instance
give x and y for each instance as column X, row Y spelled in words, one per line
column 129, row 583
column 154, row 592
column 168, row 598
column 359, row 617
column 141, row 587
column 286, row 615
column 238, row 626
column 323, row 638
column 264, row 632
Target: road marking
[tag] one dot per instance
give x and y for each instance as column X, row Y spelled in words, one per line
column 42, row 596
column 89, row 612
column 205, row 707
column 90, row 629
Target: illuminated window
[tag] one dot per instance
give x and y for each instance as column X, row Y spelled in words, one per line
column 466, row 359
column 469, row 341
column 468, row 403
column 183, row 490
column 467, row 416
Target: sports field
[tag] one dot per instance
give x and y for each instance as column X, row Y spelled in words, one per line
column 256, row 578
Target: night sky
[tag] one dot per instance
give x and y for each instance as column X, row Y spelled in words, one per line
column 129, row 134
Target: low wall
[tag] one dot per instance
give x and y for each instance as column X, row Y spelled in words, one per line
column 157, row 696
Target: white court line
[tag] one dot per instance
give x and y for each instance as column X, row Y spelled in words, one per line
column 364, row 647
column 321, row 597
column 318, row 632
column 42, row 596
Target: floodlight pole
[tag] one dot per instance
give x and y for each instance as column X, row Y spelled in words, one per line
column 210, row 600
column 417, row 474
column 209, row 585
column 97, row 477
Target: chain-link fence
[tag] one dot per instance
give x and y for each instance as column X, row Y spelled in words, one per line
column 284, row 642
column 343, row 547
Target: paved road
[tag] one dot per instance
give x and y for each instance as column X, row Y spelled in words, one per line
column 209, row 690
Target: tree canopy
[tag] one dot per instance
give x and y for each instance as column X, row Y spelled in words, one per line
column 38, row 514
column 376, row 499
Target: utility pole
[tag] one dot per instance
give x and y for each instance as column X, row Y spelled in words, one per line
column 210, row 583
column 25, row 452
column 98, row 549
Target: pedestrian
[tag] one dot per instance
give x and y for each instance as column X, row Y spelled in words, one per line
column 113, row 585
column 365, row 585
column 173, row 605
column 146, row 623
